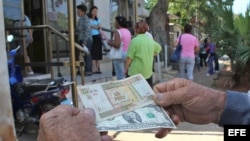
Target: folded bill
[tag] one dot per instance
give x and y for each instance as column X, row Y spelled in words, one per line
column 148, row 117
column 114, row 98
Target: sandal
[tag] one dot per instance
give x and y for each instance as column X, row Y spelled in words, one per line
column 98, row 72
column 88, row 74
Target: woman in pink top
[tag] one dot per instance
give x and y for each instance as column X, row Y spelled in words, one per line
column 190, row 46
column 122, row 38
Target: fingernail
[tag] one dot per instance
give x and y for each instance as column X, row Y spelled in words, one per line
column 89, row 112
column 159, row 97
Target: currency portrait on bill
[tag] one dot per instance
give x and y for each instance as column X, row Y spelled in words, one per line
column 132, row 117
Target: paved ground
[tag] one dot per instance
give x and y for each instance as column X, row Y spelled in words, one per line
column 184, row 132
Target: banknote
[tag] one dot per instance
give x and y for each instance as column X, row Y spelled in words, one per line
column 148, row 117
column 114, row 98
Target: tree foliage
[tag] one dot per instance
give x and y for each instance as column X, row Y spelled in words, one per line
column 242, row 24
column 149, row 4
column 184, row 9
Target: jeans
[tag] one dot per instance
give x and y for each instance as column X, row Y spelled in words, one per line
column 216, row 62
column 87, row 58
column 188, row 64
column 119, row 65
column 211, row 65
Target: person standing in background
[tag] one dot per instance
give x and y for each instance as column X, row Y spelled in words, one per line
column 211, row 56
column 203, row 54
column 96, row 50
column 141, row 52
column 190, row 46
column 28, row 34
column 84, row 37
column 122, row 38
column 216, row 62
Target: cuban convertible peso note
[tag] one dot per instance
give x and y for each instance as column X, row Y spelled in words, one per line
column 148, row 117
column 114, row 98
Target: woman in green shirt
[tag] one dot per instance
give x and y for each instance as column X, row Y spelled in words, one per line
column 141, row 53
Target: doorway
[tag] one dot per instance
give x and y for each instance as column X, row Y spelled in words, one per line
column 36, row 51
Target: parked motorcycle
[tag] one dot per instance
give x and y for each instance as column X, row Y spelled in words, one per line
column 31, row 97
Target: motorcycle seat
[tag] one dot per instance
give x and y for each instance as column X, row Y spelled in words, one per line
column 46, row 82
column 36, row 85
column 34, row 88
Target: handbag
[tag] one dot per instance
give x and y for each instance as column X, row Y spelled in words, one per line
column 176, row 55
column 115, row 53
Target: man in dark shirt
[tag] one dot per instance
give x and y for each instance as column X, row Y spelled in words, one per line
column 84, row 36
column 211, row 58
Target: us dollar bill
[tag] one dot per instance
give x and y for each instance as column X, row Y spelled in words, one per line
column 114, row 98
column 148, row 117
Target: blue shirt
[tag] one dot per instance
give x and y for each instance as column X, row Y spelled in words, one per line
column 94, row 22
column 237, row 109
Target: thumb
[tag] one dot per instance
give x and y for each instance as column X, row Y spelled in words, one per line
column 170, row 98
column 88, row 115
column 89, row 112
column 106, row 138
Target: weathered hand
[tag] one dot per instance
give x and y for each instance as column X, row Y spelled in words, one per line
column 187, row 101
column 65, row 123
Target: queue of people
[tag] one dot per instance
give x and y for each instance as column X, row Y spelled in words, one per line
column 137, row 53
column 89, row 35
column 133, row 61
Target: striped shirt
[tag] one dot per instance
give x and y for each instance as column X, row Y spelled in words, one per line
column 83, row 28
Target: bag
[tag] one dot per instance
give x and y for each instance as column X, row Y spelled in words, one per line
column 115, row 53
column 175, row 57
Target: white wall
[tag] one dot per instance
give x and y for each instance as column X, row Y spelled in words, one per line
column 7, row 130
column 142, row 12
column 104, row 13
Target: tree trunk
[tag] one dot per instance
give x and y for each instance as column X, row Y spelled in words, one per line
column 158, row 21
column 159, row 24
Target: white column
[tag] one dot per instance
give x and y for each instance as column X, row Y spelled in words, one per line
column 104, row 13
column 7, row 129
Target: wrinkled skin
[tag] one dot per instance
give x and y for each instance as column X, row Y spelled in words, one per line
column 65, row 123
column 187, row 101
